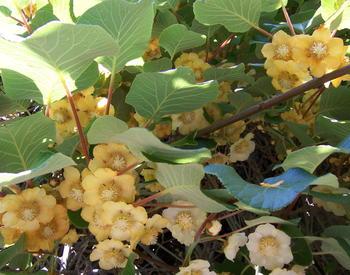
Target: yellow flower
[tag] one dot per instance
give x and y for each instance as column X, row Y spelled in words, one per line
column 110, row 254
column 153, row 227
column 70, row 238
column 148, row 174
column 298, row 114
column 10, row 235
column 287, row 74
column 101, row 103
column 184, row 222
column 193, row 61
column 200, row 267
column 62, row 114
column 44, row 238
column 189, row 121
column 97, row 226
column 269, row 247
column 28, row 209
column 112, row 155
column 336, row 208
column 153, row 50
column 125, row 219
column 321, row 52
column 234, row 242
column 162, row 130
column 213, row 111
column 154, row 187
column 230, row 133
column 241, row 149
column 224, row 92
column 71, row 189
column 104, row 185
column 336, row 82
column 85, row 104
column 280, row 48
column 218, row 158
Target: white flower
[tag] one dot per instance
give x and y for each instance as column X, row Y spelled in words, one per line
column 241, row 149
column 279, row 271
column 269, row 247
column 196, row 267
column 184, row 222
column 214, row 228
column 234, row 242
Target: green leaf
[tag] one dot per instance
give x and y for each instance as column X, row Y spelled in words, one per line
column 336, row 14
column 42, row 167
column 178, row 38
column 76, row 219
column 55, row 54
column 157, row 94
column 158, row 65
column 234, row 73
column 129, row 269
column 241, row 100
column 7, row 254
column 331, row 129
column 267, row 219
column 21, row 261
column 339, row 198
column 338, row 231
column 235, row 15
column 20, row 87
column 272, row 5
column 130, row 25
column 79, row 7
column 163, row 19
column 302, row 254
column 300, row 131
column 276, row 193
column 61, row 9
column 335, row 103
column 23, row 140
column 141, row 142
column 208, row 31
column 8, row 105
column 184, row 182
column 308, row 158
column 43, row 16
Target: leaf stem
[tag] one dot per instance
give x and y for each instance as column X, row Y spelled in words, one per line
column 289, row 22
column 262, row 31
column 149, row 198
column 83, row 140
column 277, row 99
column 25, row 21
column 111, row 86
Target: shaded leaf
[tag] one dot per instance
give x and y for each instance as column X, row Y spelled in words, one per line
column 76, row 219
column 234, row 73
column 7, row 254
column 331, row 129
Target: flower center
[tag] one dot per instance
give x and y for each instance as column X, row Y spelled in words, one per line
column 109, row 192
column 118, row 162
column 268, row 243
column 318, row 50
column 48, row 232
column 121, row 223
column 29, row 214
column 76, row 194
column 287, row 80
column 115, row 254
column 282, row 52
column 184, row 220
column 187, row 117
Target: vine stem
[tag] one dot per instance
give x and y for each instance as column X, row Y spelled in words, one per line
column 264, row 32
column 149, row 198
column 83, row 140
column 111, row 86
column 25, row 21
column 277, row 99
column 289, row 22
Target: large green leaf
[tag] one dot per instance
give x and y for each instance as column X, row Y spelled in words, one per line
column 44, row 166
column 336, row 13
column 234, row 73
column 141, row 142
column 309, row 158
column 335, row 103
column 235, row 15
column 61, row 9
column 331, row 129
column 129, row 23
column 79, row 7
column 7, row 254
column 8, row 105
column 208, row 31
column 22, row 141
column 157, row 94
column 276, row 193
column 163, row 19
column 272, row 5
column 184, row 182
column 56, row 53
column 177, row 38
column 267, row 219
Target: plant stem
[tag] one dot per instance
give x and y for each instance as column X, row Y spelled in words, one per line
column 83, row 140
column 289, row 22
column 277, row 99
column 148, row 199
column 111, row 86
column 25, row 21
column 202, row 227
column 231, row 214
column 262, row 31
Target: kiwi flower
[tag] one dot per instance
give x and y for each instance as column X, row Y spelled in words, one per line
column 189, row 121
column 100, row 229
column 281, row 47
column 196, row 267
column 241, row 149
column 153, row 227
column 234, row 242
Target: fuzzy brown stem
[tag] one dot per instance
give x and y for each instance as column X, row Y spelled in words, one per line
column 289, row 22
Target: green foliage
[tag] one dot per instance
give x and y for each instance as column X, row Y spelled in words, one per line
column 176, row 92
column 336, row 13
column 76, row 219
column 9, row 253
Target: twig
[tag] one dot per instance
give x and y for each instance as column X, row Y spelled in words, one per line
column 148, row 199
column 83, row 140
column 111, row 86
column 289, row 22
column 202, row 227
column 318, row 94
column 264, row 32
column 25, row 21
column 312, row 84
column 230, row 214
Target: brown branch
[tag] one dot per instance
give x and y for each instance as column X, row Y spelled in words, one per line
column 83, row 140
column 264, row 105
column 289, row 22
column 262, row 31
column 318, row 94
column 25, row 22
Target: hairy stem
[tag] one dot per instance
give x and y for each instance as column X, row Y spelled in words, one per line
column 277, row 99
column 111, row 86
column 289, row 22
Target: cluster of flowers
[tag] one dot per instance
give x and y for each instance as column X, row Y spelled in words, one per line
column 88, row 106
column 293, row 60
